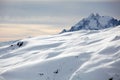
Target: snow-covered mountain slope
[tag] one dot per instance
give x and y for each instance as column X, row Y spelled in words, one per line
column 94, row 22
column 79, row 55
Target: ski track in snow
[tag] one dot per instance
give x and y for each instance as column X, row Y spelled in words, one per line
column 79, row 55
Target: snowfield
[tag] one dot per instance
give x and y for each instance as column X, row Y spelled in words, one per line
column 79, row 55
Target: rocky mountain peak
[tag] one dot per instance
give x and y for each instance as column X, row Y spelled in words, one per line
column 94, row 22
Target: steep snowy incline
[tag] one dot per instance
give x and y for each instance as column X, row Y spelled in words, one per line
column 79, row 55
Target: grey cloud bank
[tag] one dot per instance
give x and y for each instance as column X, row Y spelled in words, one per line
column 65, row 9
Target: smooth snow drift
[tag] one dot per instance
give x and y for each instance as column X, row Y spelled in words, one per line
column 80, row 55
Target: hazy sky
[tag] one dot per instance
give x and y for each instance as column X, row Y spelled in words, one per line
column 23, row 18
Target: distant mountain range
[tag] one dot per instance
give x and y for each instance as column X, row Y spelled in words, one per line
column 94, row 22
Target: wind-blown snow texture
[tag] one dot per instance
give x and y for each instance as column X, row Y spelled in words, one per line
column 94, row 22
column 79, row 55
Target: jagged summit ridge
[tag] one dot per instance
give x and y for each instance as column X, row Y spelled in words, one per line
column 94, row 22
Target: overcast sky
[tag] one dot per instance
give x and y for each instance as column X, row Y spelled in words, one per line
column 49, row 14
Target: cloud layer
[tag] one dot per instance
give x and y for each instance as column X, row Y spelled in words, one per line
column 18, row 31
column 54, row 12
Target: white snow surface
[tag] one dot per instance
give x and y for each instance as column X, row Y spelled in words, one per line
column 78, row 55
